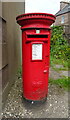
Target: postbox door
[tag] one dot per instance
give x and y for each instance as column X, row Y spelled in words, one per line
column 39, row 67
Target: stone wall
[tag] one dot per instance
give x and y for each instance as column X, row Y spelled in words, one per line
column 66, row 24
column 58, row 20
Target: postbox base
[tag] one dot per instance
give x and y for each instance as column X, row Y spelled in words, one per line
column 35, row 101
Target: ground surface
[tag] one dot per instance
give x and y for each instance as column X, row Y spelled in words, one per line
column 56, row 105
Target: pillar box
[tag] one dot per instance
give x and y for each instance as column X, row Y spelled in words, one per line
column 35, row 54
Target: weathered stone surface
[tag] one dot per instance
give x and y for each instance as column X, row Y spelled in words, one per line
column 65, row 73
column 53, row 74
column 58, row 66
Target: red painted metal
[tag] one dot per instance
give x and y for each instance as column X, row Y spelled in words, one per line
column 35, row 72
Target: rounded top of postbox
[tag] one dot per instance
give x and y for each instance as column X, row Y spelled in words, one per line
column 35, row 20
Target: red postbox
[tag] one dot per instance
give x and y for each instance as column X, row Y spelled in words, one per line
column 35, row 53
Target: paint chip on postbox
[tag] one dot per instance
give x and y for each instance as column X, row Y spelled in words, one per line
column 36, row 51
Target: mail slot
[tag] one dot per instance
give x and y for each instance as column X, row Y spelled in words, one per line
column 35, row 54
column 38, row 36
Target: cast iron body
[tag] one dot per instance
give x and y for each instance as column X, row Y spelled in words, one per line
column 35, row 53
